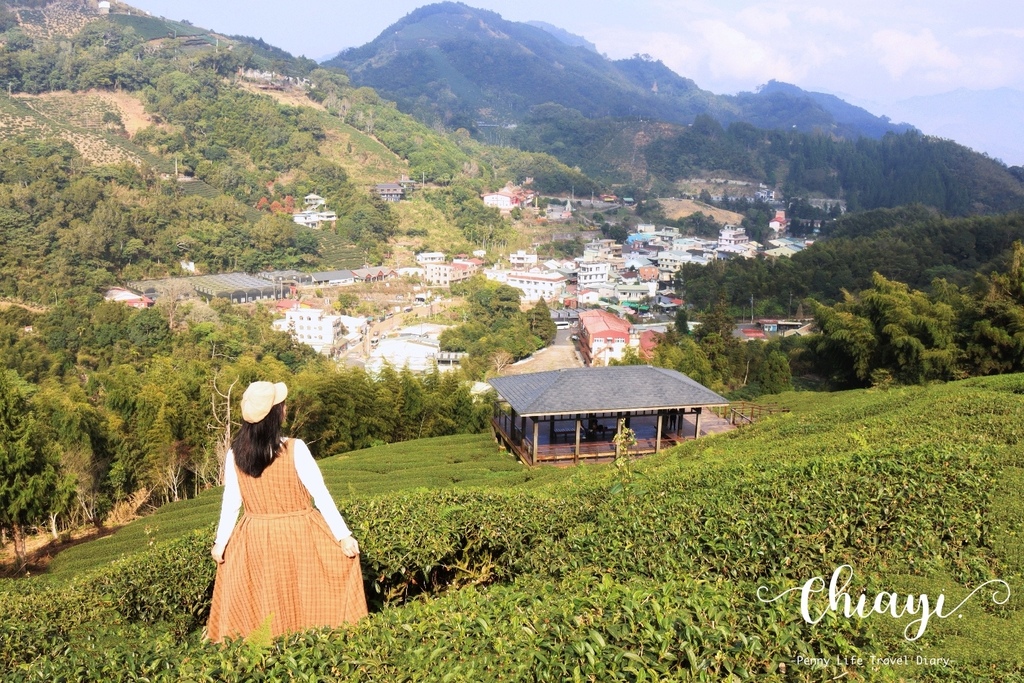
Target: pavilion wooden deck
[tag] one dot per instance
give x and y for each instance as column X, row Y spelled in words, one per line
column 599, row 451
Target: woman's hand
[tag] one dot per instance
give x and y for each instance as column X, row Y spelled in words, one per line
column 349, row 546
column 218, row 553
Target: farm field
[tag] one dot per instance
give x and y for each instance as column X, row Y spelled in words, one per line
column 660, row 569
column 681, row 208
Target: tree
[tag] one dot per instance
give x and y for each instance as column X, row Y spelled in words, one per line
column 775, row 376
column 500, row 360
column 996, row 336
column 682, row 321
column 540, row 322
column 888, row 327
column 28, row 473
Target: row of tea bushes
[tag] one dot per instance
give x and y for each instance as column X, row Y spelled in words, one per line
column 574, row 582
column 585, row 628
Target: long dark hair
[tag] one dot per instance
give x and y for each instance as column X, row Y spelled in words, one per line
column 257, row 443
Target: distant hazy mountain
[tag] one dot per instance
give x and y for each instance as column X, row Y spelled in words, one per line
column 570, row 39
column 990, row 121
column 462, row 66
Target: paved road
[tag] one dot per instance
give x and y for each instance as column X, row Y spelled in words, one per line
column 561, row 354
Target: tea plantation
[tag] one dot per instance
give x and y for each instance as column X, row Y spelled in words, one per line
column 647, row 571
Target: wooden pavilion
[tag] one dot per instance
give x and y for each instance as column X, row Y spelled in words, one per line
column 571, row 416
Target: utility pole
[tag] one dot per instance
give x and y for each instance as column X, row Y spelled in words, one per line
column 751, row 309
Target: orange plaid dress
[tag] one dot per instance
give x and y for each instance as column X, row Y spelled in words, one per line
column 282, row 563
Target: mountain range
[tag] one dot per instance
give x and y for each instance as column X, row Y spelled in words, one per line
column 467, row 67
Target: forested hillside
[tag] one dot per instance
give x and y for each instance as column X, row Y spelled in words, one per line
column 88, row 197
column 636, row 123
column 867, row 174
column 463, row 67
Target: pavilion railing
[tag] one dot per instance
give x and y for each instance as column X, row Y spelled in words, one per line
column 744, row 412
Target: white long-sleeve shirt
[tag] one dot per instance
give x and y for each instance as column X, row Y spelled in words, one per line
column 309, row 475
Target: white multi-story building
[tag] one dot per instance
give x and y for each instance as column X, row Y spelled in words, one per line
column 732, row 236
column 537, row 285
column 425, row 257
column 592, row 273
column 315, row 214
column 444, row 274
column 313, row 327
column 522, row 260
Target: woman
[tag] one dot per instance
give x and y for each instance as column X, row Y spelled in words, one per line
column 283, row 562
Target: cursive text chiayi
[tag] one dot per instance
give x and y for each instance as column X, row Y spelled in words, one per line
column 841, row 602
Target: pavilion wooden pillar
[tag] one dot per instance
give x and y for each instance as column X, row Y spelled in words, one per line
column 576, row 453
column 617, row 441
column 536, row 433
column 696, row 422
column 657, row 438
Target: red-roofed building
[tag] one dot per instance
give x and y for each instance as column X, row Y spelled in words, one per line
column 444, row 274
column 649, row 340
column 604, row 337
column 373, row 274
column 780, row 223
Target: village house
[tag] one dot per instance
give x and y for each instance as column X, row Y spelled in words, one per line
column 445, row 274
column 602, row 250
column 333, row 278
column 522, row 260
column 315, row 213
column 127, row 297
column 373, row 274
column 592, row 273
column 588, row 297
column 730, row 235
column 425, row 257
column 314, row 328
column 635, row 293
column 779, row 224
column 389, row 192
column 604, row 337
column 537, row 285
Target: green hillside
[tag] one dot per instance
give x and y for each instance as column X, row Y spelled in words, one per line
column 642, row 573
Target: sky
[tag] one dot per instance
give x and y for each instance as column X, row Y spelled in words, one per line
column 872, row 53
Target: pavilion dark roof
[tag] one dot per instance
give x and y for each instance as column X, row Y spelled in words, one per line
column 602, row 389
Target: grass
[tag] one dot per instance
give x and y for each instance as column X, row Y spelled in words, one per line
column 365, row 159
column 471, row 460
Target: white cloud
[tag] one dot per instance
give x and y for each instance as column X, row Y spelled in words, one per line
column 901, row 52
column 765, row 19
column 834, row 18
column 992, row 33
